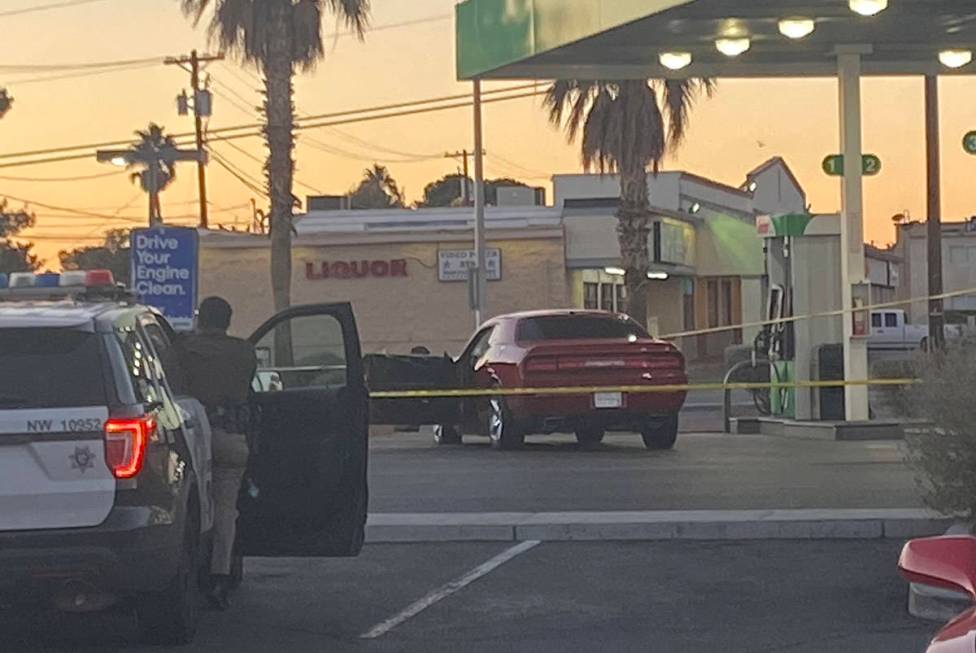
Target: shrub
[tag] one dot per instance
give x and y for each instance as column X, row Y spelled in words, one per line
column 943, row 451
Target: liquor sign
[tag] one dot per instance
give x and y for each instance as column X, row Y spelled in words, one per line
column 453, row 265
column 355, row 269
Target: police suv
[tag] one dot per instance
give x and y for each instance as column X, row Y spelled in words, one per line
column 105, row 464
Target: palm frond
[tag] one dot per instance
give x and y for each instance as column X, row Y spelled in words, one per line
column 354, row 13
column 679, row 98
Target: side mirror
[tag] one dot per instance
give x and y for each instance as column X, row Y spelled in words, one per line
column 948, row 562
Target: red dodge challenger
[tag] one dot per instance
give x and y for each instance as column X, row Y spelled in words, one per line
column 543, row 349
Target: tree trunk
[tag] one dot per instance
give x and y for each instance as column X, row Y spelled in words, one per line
column 279, row 112
column 633, row 232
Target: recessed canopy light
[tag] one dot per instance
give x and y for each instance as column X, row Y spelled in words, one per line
column 797, row 27
column 868, row 7
column 732, row 47
column 955, row 58
column 675, row 60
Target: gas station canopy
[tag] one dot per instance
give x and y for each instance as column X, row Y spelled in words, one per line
column 625, row 39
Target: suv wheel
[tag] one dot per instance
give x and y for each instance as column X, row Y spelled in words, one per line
column 446, row 434
column 590, row 437
column 170, row 617
column 502, row 429
column 661, row 435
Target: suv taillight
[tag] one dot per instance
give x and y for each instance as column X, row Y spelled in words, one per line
column 126, row 441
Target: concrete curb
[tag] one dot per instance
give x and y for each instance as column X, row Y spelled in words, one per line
column 654, row 525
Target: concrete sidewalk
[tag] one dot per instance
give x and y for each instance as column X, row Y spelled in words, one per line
column 654, row 525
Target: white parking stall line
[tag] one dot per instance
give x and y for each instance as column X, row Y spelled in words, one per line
column 448, row 589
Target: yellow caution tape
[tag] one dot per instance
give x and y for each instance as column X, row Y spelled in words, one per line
column 629, row 389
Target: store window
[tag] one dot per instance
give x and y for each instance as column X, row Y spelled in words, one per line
column 607, row 296
column 713, row 304
column 591, row 296
column 726, row 302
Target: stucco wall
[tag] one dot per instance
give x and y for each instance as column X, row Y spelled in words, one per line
column 393, row 313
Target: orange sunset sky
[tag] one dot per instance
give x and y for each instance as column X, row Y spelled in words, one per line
column 746, row 123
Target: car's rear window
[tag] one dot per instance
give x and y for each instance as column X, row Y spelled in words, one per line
column 50, row 367
column 574, row 327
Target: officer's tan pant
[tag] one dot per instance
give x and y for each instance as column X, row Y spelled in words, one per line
column 229, row 462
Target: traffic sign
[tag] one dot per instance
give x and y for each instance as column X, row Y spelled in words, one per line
column 969, row 142
column 833, row 165
column 164, row 271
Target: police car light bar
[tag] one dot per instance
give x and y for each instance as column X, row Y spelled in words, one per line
column 51, row 285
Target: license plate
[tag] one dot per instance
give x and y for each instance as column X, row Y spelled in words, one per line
column 608, row 400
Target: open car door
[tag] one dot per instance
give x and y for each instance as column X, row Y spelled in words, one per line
column 392, row 373
column 305, row 492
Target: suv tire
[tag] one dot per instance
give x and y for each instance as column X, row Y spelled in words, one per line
column 662, row 435
column 170, row 617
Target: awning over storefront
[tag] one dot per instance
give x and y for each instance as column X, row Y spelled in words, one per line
column 619, row 39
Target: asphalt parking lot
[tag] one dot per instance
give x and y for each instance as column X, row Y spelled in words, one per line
column 795, row 596
column 408, row 473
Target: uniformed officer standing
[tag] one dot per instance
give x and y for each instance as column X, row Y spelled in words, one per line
column 219, row 369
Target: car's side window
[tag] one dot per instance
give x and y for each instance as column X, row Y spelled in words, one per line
column 304, row 351
column 146, row 372
column 168, row 356
column 478, row 347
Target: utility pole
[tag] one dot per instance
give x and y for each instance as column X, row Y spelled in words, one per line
column 934, row 223
column 463, row 157
column 202, row 108
column 480, row 244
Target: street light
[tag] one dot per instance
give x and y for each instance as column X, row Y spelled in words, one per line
column 797, row 27
column 675, row 60
column 615, row 272
column 955, row 58
column 868, row 7
column 733, row 47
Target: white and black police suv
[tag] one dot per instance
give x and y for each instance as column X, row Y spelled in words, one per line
column 105, row 465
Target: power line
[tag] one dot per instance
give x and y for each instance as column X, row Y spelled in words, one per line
column 252, row 126
column 57, row 5
column 238, row 174
column 254, row 134
column 60, row 67
column 389, row 26
column 75, row 75
column 102, row 175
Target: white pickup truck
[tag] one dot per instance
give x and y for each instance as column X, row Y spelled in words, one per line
column 889, row 330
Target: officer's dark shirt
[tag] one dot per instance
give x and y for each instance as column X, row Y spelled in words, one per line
column 219, row 368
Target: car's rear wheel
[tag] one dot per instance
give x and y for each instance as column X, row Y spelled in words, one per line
column 589, row 437
column 446, row 434
column 170, row 617
column 502, row 428
column 659, row 435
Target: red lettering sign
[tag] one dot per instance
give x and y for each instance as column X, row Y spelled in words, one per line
column 355, row 269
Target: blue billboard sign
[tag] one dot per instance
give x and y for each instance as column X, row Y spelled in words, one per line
column 164, row 271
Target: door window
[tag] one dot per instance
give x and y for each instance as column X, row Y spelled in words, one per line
column 306, row 351
column 167, row 355
column 478, row 348
column 891, row 320
column 876, row 320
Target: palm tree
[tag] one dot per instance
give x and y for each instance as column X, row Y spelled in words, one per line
column 279, row 37
column 625, row 130
column 377, row 190
column 158, row 172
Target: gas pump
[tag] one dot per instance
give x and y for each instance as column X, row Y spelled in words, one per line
column 802, row 254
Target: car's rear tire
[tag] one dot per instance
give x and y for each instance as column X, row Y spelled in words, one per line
column 661, row 435
column 446, row 434
column 170, row 617
column 503, row 431
column 589, row 437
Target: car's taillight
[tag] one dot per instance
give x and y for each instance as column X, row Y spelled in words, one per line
column 670, row 362
column 126, row 441
column 542, row 364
